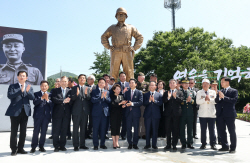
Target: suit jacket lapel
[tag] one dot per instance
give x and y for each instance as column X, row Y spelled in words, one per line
column 60, row 91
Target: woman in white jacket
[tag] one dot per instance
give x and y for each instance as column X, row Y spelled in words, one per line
column 206, row 99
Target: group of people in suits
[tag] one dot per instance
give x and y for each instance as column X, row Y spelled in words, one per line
column 121, row 107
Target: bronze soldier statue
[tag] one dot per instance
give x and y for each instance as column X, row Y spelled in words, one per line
column 121, row 50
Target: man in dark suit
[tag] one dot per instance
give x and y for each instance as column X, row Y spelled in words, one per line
column 134, row 100
column 172, row 111
column 61, row 114
column 152, row 101
column 57, row 85
column 226, row 113
column 124, row 88
column 214, row 85
column 80, row 98
column 70, row 86
column 195, row 107
column 89, row 128
column 19, row 110
column 100, row 99
column 108, row 88
column 41, row 116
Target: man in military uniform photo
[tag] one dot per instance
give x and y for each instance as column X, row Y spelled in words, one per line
column 142, row 86
column 121, row 50
column 13, row 48
column 187, row 115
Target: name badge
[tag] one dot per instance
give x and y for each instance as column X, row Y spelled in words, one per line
column 203, row 97
column 211, row 96
column 135, row 96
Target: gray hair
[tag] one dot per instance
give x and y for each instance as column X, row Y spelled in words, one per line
column 91, row 77
column 58, row 79
column 172, row 80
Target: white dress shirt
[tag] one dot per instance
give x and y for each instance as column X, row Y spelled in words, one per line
column 21, row 85
column 133, row 91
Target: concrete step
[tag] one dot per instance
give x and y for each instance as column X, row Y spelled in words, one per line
column 161, row 142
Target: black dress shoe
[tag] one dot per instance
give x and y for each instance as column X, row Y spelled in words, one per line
column 22, row 151
column 167, row 147
column 51, row 137
column 147, row 147
column 106, row 137
column 219, row 143
column 123, row 138
column 232, row 151
column 224, row 149
column 190, row 146
column 143, row 137
column 203, row 146
column 84, row 147
column 174, row 148
column 56, row 150
column 103, row 147
column 41, row 149
column 183, row 147
column 135, row 147
column 13, row 153
column 154, row 147
column 195, row 137
column 114, row 147
column 213, row 147
column 76, row 149
column 33, row 150
column 130, row 146
column 95, row 148
column 63, row 149
column 69, row 138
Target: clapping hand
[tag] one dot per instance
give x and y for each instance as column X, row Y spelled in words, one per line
column 86, row 91
column 46, row 96
column 174, row 94
column 152, row 98
column 77, row 91
column 221, row 94
column 105, row 94
column 28, row 88
column 207, row 98
column 169, row 94
column 123, row 102
column 189, row 99
column 129, row 103
column 66, row 100
column 125, row 90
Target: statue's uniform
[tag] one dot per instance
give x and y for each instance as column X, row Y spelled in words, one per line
column 121, row 41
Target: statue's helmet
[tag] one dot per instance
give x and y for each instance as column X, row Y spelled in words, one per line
column 121, row 9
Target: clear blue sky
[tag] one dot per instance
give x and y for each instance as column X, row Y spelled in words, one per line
column 75, row 26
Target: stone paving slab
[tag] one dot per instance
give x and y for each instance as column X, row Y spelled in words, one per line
column 124, row 155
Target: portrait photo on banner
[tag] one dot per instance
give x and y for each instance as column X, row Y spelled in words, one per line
column 22, row 50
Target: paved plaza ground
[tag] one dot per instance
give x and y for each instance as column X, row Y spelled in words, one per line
column 123, row 155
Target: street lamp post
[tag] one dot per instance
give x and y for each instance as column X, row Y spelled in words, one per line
column 172, row 5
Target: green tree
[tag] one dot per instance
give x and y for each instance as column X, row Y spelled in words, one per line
column 101, row 64
column 168, row 52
